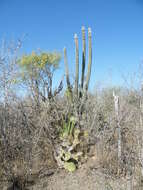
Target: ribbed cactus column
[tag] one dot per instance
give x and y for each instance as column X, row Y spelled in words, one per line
column 67, row 74
column 77, row 64
column 66, row 68
column 83, row 56
column 89, row 59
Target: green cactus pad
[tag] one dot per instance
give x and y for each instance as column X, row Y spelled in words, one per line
column 69, row 166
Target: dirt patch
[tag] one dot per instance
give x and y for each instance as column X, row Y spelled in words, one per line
column 89, row 176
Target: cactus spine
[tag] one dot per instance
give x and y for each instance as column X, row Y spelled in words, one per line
column 89, row 60
column 77, row 64
column 83, row 56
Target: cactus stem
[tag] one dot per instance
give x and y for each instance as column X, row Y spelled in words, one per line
column 77, row 64
column 83, row 56
column 89, row 60
column 67, row 72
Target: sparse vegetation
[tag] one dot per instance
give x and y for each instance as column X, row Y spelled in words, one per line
column 43, row 131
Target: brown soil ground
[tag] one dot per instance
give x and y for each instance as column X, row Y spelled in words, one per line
column 88, row 177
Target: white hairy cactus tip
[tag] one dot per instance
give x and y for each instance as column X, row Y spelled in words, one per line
column 75, row 36
column 89, row 31
column 83, row 28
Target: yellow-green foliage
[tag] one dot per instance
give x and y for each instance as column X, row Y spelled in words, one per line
column 33, row 63
column 68, row 127
column 40, row 60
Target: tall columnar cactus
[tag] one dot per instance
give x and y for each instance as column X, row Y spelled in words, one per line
column 69, row 157
column 69, row 89
column 83, row 56
column 86, row 85
column 89, row 60
column 77, row 65
column 66, row 68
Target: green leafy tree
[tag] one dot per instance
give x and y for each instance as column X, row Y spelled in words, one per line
column 36, row 71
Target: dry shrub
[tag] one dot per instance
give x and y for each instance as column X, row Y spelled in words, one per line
column 27, row 149
column 104, row 133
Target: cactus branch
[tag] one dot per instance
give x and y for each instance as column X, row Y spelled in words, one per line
column 67, row 72
column 77, row 64
column 89, row 60
column 66, row 68
column 83, row 56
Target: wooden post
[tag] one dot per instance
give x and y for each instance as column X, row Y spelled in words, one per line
column 117, row 107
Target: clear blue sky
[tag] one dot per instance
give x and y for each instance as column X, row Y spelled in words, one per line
column 117, row 27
